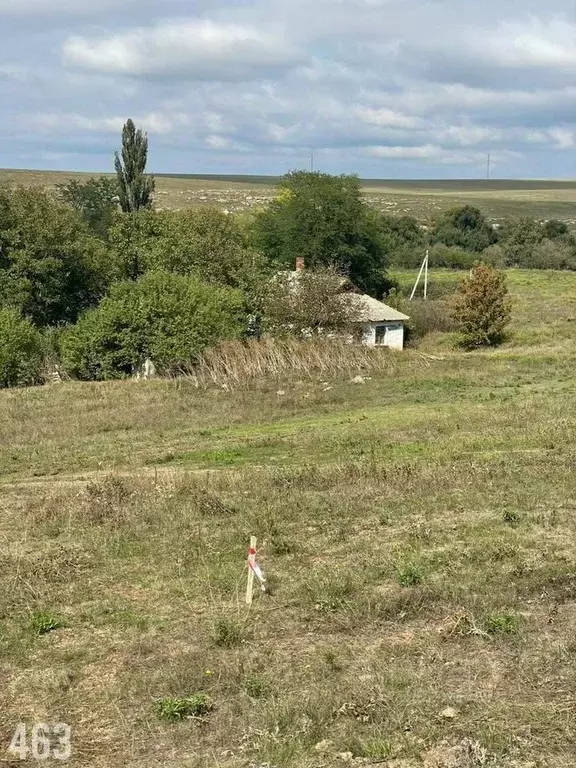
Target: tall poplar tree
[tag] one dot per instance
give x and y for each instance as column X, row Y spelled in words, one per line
column 135, row 187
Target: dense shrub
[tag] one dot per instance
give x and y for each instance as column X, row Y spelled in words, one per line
column 426, row 316
column 519, row 238
column 51, row 268
column 95, row 199
column 451, row 257
column 464, row 227
column 169, row 318
column 482, row 307
column 204, row 242
column 21, row 351
column 551, row 254
column 403, row 239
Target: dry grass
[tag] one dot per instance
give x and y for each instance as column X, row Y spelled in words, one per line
column 237, row 364
column 417, row 531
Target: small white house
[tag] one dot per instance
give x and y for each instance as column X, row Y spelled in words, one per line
column 378, row 324
column 381, row 325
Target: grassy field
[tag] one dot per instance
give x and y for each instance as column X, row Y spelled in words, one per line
column 418, row 532
column 498, row 199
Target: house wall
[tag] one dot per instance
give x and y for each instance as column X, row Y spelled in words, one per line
column 394, row 337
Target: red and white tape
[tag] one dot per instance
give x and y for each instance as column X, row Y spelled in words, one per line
column 253, row 565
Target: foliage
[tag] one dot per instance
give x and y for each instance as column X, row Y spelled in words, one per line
column 135, row 187
column 404, row 240
column 324, row 220
column 409, row 575
column 205, row 242
column 170, row 318
column 482, row 307
column 21, row 351
column 174, row 709
column 502, row 624
column 451, row 257
column 95, row 199
column 43, row 622
column 51, row 268
column 465, row 227
column 227, row 632
column 426, row 315
column 519, row 238
column 307, row 303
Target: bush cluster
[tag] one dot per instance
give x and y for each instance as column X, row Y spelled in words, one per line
column 102, row 289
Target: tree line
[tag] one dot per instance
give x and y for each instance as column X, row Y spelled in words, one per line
column 99, row 280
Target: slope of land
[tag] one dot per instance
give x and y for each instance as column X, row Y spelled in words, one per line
column 498, row 198
column 418, row 532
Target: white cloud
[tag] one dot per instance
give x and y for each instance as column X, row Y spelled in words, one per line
column 382, row 87
column 189, row 49
column 153, row 122
column 386, row 118
column 33, row 8
column 534, row 43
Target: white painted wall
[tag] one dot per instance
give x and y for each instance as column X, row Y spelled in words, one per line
column 394, row 336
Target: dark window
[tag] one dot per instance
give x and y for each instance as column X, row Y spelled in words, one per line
column 380, row 334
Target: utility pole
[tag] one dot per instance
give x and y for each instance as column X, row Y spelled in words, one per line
column 312, row 161
column 423, row 269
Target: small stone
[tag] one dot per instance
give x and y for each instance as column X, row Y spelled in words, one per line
column 449, row 713
column 358, row 380
column 346, row 757
column 281, row 392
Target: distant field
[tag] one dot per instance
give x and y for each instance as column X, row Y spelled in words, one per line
column 497, row 198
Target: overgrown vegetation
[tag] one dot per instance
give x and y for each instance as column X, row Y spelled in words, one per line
column 167, row 317
column 482, row 307
column 109, row 281
column 22, row 351
column 417, row 529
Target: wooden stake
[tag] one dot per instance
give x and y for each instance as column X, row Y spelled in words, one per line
column 251, row 560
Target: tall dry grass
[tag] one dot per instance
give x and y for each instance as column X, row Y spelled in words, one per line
column 235, row 364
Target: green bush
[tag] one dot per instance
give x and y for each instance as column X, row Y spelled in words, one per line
column 169, row 318
column 51, row 267
column 43, row 622
column 21, row 351
column 482, row 308
column 426, row 315
column 174, row 709
column 464, row 227
column 451, row 257
column 204, row 242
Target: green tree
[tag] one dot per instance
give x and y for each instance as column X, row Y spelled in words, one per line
column 169, row 318
column 51, row 267
column 519, row 239
column 465, row 227
column 403, row 239
column 135, row 187
column 95, row 199
column 204, row 242
column 482, row 307
column 324, row 220
column 21, row 351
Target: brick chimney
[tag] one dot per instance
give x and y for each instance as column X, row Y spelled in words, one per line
column 299, row 264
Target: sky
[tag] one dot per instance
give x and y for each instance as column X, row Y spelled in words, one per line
column 382, row 88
